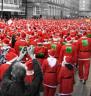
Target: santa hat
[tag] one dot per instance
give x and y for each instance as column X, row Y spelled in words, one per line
column 29, row 65
column 88, row 31
column 23, row 35
column 51, row 52
column 33, row 43
column 67, row 60
column 29, row 68
column 76, row 37
column 10, row 56
column 55, row 38
column 68, row 39
column 6, row 41
column 73, row 33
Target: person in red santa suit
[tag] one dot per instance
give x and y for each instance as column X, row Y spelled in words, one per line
column 6, row 45
column 65, row 31
column 29, row 72
column 66, row 77
column 10, row 57
column 5, row 48
column 88, row 33
column 50, row 69
column 3, row 67
column 40, row 52
column 68, row 50
column 84, row 54
column 20, row 43
column 56, row 44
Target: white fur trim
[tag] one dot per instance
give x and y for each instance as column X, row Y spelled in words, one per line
column 84, row 59
column 68, row 43
column 64, row 94
column 64, row 61
column 31, row 72
column 46, row 43
column 50, row 86
column 5, row 47
column 55, row 39
column 75, row 40
column 10, row 62
column 84, row 37
column 52, row 61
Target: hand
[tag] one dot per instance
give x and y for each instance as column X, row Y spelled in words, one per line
column 22, row 53
column 30, row 51
column 5, row 50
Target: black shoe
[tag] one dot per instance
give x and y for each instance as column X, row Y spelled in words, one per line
column 81, row 80
column 84, row 81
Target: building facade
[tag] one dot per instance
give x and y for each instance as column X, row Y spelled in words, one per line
column 85, row 7
column 51, row 8
column 10, row 8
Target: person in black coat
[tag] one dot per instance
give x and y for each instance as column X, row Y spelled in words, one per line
column 13, row 82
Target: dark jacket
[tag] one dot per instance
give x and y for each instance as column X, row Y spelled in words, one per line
column 10, row 87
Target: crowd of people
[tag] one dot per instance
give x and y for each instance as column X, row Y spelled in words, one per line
column 43, row 52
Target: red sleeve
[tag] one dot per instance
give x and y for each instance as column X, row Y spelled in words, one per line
column 58, row 67
column 3, row 69
column 60, row 75
column 61, row 54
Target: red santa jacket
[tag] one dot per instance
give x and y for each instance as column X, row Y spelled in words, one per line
column 3, row 69
column 50, row 69
column 66, row 80
column 29, row 72
column 84, row 48
column 28, row 79
column 68, row 50
column 41, row 53
column 57, row 47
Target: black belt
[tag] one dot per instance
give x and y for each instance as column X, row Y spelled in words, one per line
column 67, row 77
column 85, row 51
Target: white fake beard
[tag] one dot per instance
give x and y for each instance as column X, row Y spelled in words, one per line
column 51, row 61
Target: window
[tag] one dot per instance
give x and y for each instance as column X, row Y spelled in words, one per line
column 19, row 2
column 15, row 2
column 21, row 13
column 6, row 1
column 11, row 1
column 37, row 10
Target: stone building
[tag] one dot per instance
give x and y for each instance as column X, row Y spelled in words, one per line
column 85, row 7
column 51, row 8
column 10, row 8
